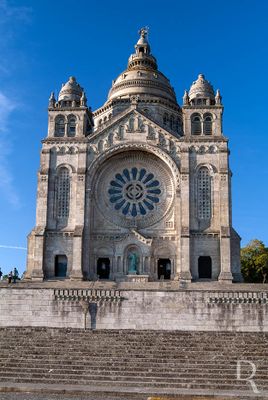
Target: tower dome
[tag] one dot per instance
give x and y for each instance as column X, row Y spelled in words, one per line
column 201, row 89
column 71, row 91
column 142, row 76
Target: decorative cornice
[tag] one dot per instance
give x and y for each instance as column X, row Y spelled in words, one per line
column 97, row 296
column 238, row 298
column 203, row 107
column 65, row 140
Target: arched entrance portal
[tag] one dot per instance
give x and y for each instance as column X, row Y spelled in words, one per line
column 60, row 266
column 164, row 268
column 103, row 268
column 204, row 267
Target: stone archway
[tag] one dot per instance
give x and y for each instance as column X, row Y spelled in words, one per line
column 103, row 267
column 164, row 268
column 101, row 262
column 165, row 261
column 61, row 263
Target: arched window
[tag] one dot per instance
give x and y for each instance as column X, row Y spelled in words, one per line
column 207, row 124
column 171, row 122
column 196, row 124
column 165, row 119
column 71, row 126
column 62, row 193
column 204, row 193
column 59, row 126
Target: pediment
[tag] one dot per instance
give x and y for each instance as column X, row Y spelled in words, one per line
column 133, row 126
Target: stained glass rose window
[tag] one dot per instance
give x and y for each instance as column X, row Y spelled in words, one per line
column 134, row 191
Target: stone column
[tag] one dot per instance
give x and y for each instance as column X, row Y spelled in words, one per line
column 119, row 265
column 77, row 212
column 174, row 273
column 149, row 266
column 225, row 220
column 185, row 271
column 177, row 222
column 76, row 272
column 113, row 267
column 35, row 256
column 142, row 270
column 225, row 242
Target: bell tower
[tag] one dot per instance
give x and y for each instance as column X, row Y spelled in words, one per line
column 202, row 110
column 213, row 241
column 56, row 239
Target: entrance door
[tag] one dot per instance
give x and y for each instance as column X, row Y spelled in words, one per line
column 164, row 268
column 60, row 266
column 103, row 268
column 204, row 267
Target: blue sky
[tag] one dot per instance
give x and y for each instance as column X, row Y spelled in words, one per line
column 42, row 43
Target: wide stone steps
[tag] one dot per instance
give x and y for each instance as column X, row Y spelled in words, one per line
column 212, row 366
column 130, row 359
column 172, row 344
column 140, row 381
column 139, row 384
column 149, row 371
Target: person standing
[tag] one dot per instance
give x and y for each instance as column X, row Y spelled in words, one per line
column 10, row 276
column 1, row 274
column 15, row 275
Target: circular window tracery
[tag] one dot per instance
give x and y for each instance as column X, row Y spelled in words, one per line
column 134, row 191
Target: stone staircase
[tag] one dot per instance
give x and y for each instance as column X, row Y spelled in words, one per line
column 151, row 362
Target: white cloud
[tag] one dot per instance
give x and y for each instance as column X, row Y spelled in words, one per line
column 6, row 179
column 6, row 107
column 12, row 19
column 4, row 246
column 10, row 12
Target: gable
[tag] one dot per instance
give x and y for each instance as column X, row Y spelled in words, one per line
column 133, row 127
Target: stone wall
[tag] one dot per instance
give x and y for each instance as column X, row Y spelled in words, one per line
column 136, row 309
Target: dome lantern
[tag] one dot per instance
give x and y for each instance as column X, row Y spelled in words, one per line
column 71, row 92
column 142, row 76
column 201, row 92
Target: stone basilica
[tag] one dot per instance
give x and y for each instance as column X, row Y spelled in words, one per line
column 138, row 190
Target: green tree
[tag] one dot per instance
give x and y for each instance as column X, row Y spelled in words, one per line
column 254, row 262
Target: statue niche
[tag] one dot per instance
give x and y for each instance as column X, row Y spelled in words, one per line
column 133, row 260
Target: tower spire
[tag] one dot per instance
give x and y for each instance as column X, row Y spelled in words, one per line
column 143, row 32
column 142, row 45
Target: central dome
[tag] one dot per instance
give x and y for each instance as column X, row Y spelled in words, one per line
column 142, row 76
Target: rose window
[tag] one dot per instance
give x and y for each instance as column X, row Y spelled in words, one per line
column 134, row 192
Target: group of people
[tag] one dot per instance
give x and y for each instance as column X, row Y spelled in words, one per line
column 12, row 276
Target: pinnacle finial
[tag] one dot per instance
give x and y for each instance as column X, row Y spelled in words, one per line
column 218, row 97
column 83, row 100
column 186, row 100
column 52, row 100
column 143, row 32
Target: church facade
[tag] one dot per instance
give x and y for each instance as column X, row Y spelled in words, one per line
column 139, row 189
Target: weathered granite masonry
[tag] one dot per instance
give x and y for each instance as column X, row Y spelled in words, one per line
column 196, row 310
column 139, row 177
